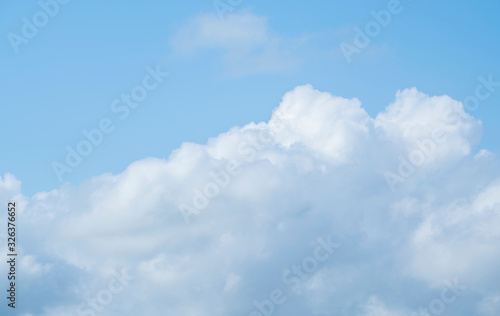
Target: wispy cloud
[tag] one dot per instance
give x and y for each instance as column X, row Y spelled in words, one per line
column 245, row 41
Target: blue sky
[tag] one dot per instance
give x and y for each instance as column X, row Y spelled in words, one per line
column 65, row 78
column 260, row 166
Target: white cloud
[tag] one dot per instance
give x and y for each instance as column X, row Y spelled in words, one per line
column 10, row 188
column 459, row 240
column 376, row 308
column 414, row 117
column 245, row 40
column 30, row 266
column 490, row 306
column 315, row 169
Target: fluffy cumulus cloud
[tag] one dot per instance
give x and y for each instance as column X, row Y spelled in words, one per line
column 321, row 210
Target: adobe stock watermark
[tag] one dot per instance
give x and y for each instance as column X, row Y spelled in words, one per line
column 372, row 29
column 96, row 304
column 416, row 158
column 427, row 147
column 122, row 107
column 294, row 276
column 449, row 294
column 482, row 92
column 224, row 6
column 31, row 26
column 222, row 178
